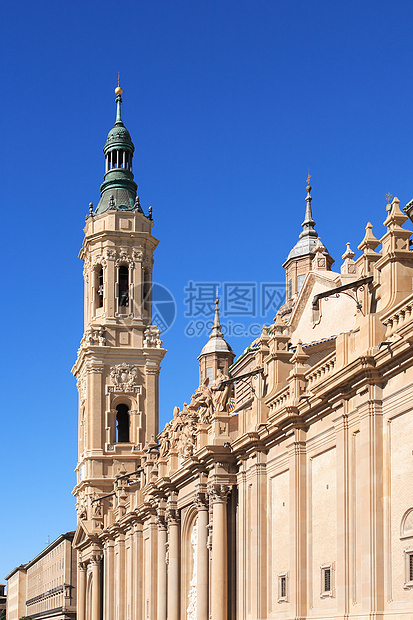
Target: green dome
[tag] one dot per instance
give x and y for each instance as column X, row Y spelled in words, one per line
column 119, row 137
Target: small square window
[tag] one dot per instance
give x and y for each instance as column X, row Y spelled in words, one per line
column 327, row 586
column 282, row 588
column 408, row 564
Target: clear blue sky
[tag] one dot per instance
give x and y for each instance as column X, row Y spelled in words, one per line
column 228, row 103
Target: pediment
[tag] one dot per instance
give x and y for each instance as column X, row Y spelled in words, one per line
column 337, row 313
column 82, row 533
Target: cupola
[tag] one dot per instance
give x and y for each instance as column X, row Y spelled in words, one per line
column 216, row 354
column 118, row 190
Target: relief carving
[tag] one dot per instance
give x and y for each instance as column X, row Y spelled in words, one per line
column 124, row 258
column 94, row 337
column 124, row 377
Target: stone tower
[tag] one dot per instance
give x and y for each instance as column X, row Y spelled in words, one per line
column 119, row 357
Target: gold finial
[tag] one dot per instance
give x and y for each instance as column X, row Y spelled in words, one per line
column 309, row 177
column 118, row 90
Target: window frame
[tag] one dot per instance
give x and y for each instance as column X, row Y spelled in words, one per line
column 408, row 568
column 282, row 598
column 323, row 571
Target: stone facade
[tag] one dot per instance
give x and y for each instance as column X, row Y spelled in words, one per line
column 45, row 587
column 284, row 488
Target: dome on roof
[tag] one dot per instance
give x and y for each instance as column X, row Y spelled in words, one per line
column 216, row 345
column 119, row 136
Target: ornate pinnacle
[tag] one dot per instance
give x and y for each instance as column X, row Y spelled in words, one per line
column 216, row 328
column 389, row 202
column 309, row 223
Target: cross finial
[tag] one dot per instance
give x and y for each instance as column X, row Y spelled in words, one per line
column 389, row 197
column 118, row 78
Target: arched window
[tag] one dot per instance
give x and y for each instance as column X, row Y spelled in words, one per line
column 123, row 286
column 122, row 424
column 99, row 287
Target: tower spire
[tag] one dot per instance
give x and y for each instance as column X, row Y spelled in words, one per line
column 216, row 331
column 118, row 93
column 309, row 223
column 299, row 260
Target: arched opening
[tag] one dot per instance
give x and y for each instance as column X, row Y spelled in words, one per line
column 99, row 287
column 122, row 424
column 123, row 286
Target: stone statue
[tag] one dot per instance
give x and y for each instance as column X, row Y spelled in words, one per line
column 165, row 440
column 220, row 397
column 201, row 403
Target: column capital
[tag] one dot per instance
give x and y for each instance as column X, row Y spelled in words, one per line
column 172, row 515
column 83, row 566
column 160, row 519
column 201, row 499
column 218, row 493
column 96, row 558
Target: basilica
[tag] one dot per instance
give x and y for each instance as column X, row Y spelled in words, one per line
column 283, row 488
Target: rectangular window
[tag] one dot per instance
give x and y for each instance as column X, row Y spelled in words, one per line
column 290, row 289
column 327, row 580
column 282, row 588
column 408, row 560
column 327, row 574
column 300, row 282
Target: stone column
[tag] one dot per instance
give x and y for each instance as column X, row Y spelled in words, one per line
column 162, row 574
column 219, row 577
column 120, row 581
column 108, row 581
column 202, row 557
column 81, row 591
column 138, row 555
column 342, row 572
column 96, row 587
column 298, row 523
column 172, row 516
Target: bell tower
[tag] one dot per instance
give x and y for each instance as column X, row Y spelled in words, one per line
column 120, row 352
